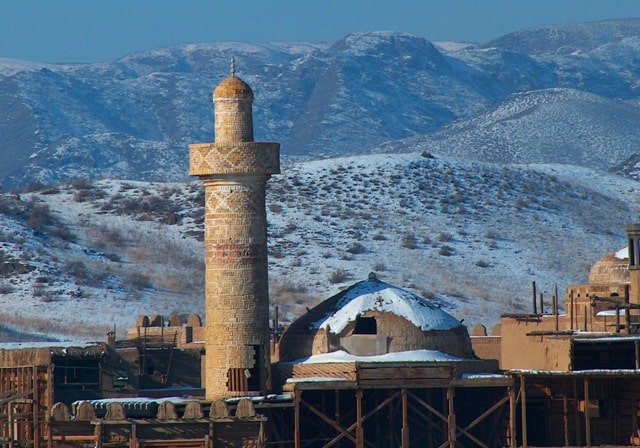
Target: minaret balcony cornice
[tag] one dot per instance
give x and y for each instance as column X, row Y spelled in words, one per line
column 220, row 158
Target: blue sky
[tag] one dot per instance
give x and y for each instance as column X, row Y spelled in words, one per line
column 92, row 30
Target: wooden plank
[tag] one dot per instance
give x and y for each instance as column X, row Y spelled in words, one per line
column 80, row 438
column 402, row 383
column 483, row 382
column 414, row 373
column 200, row 442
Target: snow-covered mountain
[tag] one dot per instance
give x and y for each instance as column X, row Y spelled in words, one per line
column 461, row 171
column 579, row 128
column 134, row 117
column 82, row 257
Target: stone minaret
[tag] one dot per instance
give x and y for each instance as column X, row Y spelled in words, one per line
column 234, row 170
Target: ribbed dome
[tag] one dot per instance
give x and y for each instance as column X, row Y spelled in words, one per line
column 613, row 268
column 233, row 88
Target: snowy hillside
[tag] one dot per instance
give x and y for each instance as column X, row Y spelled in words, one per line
column 82, row 257
column 134, row 117
column 580, row 129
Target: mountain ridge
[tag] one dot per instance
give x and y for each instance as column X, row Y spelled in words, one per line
column 134, row 117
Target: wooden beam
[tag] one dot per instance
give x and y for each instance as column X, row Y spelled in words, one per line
column 348, row 430
column 430, row 423
column 342, row 431
column 359, row 431
column 405, row 425
column 430, row 408
column 481, row 417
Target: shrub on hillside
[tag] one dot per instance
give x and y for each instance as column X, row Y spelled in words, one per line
column 356, row 248
column 339, row 276
column 39, row 216
column 139, row 281
column 409, row 241
column 446, row 251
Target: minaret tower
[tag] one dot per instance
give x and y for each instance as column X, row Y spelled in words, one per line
column 234, row 170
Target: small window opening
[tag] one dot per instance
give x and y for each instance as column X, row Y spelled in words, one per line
column 253, row 382
column 120, row 379
column 365, row 325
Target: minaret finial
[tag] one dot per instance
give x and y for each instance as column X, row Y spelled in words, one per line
column 233, row 66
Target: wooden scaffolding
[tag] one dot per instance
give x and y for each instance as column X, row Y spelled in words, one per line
column 396, row 405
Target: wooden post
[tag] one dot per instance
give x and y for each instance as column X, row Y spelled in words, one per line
column 98, row 434
column 576, row 412
column 405, row 422
column 626, row 313
column 451, row 417
column 587, row 413
column 359, row 430
column 430, row 423
column 390, row 422
column 533, row 290
column 523, row 405
column 565, row 419
column 336, row 414
column 296, row 418
column 133, row 443
column 512, row 418
column 10, row 419
column 36, row 407
column 571, row 309
column 541, row 303
column 585, row 319
column 617, row 319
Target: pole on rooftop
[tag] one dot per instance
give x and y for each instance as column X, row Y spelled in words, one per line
column 571, row 309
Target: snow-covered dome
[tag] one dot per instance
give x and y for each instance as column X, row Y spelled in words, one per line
column 372, row 317
column 612, row 269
